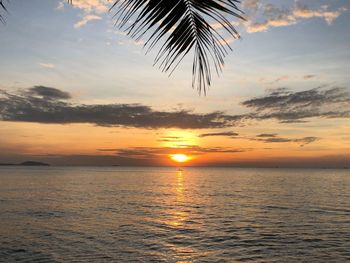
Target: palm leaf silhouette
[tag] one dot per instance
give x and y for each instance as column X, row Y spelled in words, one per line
column 185, row 26
column 2, row 6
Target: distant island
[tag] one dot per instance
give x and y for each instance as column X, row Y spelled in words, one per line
column 26, row 163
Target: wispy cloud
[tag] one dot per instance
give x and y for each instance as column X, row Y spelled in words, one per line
column 263, row 16
column 310, row 76
column 92, row 10
column 60, row 6
column 47, row 65
column 219, row 134
column 86, row 19
column 302, row 11
column 267, row 135
column 251, row 5
column 274, row 138
column 175, row 139
column 156, row 152
column 282, row 78
column 89, row 6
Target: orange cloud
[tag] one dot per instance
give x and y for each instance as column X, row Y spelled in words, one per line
column 277, row 17
column 92, row 6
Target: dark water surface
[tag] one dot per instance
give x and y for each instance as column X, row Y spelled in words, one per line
column 163, row 215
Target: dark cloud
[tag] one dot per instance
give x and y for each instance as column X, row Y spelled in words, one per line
column 303, row 141
column 46, row 105
column 49, row 105
column 274, row 138
column 156, row 152
column 170, row 139
column 268, row 135
column 288, row 106
column 49, row 93
column 277, row 140
column 225, row 134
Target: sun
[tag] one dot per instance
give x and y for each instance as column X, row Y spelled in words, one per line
column 180, row 158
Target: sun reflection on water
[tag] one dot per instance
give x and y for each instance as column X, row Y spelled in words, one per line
column 179, row 216
column 180, row 182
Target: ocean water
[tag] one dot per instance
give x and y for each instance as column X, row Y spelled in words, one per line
column 81, row 214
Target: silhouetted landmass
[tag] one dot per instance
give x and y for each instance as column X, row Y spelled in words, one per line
column 32, row 163
column 26, row 163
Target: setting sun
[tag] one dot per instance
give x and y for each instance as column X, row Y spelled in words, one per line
column 180, row 158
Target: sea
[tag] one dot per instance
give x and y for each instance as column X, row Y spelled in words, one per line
column 138, row 214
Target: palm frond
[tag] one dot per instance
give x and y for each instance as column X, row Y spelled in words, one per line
column 3, row 7
column 186, row 25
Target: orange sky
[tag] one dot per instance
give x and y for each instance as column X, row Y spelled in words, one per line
column 104, row 145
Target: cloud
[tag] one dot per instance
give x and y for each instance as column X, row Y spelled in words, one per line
column 47, row 65
column 302, row 11
column 171, row 139
column 215, row 134
column 91, row 9
column 282, row 20
column 92, row 6
column 274, row 139
column 86, row 19
column 310, row 76
column 42, row 104
column 267, row 135
column 274, row 16
column 48, row 93
column 228, row 40
column 282, row 78
column 60, row 6
column 48, row 105
column 157, row 152
column 251, row 5
column 287, row 106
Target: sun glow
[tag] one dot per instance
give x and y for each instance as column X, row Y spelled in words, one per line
column 180, row 158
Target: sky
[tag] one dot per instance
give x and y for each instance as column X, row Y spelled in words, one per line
column 75, row 90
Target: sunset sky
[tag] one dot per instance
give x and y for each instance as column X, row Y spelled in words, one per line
column 76, row 91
